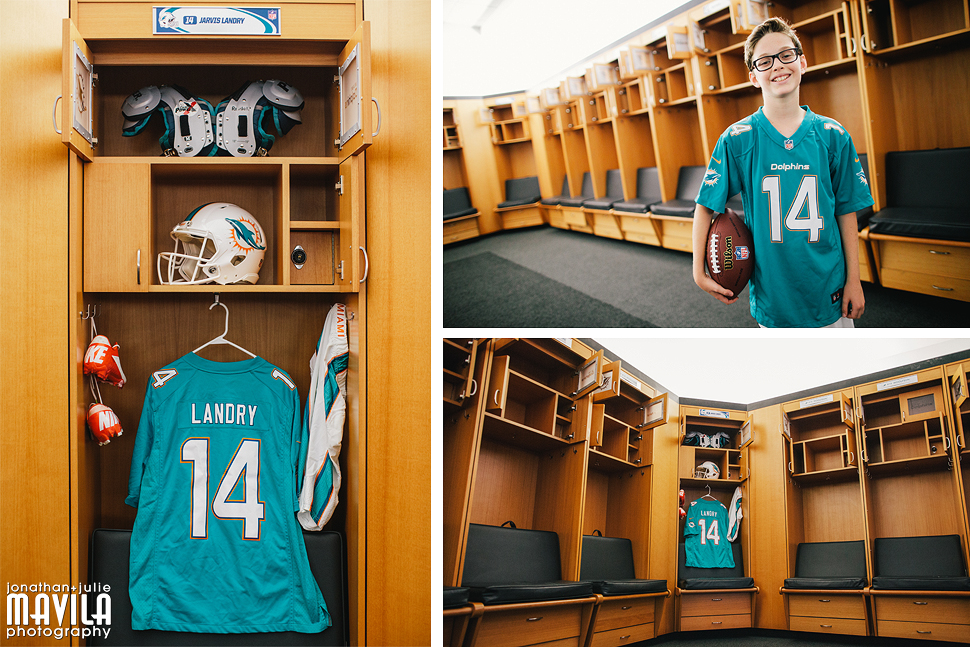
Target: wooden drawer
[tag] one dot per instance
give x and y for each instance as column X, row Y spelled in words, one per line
column 677, row 229
column 709, row 604
column 696, row 623
column 921, row 608
column 517, row 218
column 923, row 630
column 556, row 219
column 938, row 286
column 939, row 260
column 605, row 224
column 644, row 238
column 529, row 626
column 575, row 217
column 827, row 606
column 460, row 229
column 614, row 614
column 847, row 626
column 623, row 636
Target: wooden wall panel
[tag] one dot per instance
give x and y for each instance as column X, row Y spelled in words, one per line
column 34, row 332
column 398, row 479
column 664, row 523
column 480, row 166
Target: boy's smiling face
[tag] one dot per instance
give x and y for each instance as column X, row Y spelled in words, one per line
column 780, row 79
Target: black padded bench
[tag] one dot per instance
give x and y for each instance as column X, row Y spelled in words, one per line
column 520, row 192
column 933, row 563
column 585, row 193
column 460, row 217
column 614, row 193
column 714, row 598
column 623, row 600
column 920, row 588
column 927, row 195
column 513, row 576
column 109, row 565
column 829, row 565
column 828, row 591
column 556, row 199
column 648, row 192
column 689, row 181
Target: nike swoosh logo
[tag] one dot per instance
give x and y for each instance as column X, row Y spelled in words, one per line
column 715, row 159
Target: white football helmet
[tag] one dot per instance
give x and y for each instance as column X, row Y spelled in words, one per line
column 221, row 243
column 707, row 470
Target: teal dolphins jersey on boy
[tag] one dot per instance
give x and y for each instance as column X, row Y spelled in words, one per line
column 792, row 189
column 216, row 546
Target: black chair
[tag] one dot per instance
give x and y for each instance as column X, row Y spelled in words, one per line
column 614, row 192
column 520, row 192
column 109, row 565
column 607, row 562
column 689, row 181
column 927, row 195
column 556, row 199
column 504, row 565
column 457, row 203
column 932, row 563
column 829, row 565
column 648, row 192
column 586, row 193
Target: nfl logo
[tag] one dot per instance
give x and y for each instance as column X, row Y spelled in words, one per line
column 789, row 144
column 271, row 15
column 741, row 253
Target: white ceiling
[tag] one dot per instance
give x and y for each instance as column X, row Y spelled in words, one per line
column 494, row 47
column 748, row 370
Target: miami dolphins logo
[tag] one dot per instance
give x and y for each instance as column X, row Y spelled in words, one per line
column 711, row 177
column 245, row 234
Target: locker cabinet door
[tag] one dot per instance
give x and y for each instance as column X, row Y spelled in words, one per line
column 654, row 412
column 117, row 221
column 498, row 385
column 354, row 110
column 78, row 84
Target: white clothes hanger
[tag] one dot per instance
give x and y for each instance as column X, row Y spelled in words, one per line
column 221, row 339
column 708, row 495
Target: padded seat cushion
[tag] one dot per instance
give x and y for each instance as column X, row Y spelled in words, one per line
column 675, row 207
column 830, row 583
column 585, row 194
column 515, row 565
column 563, row 193
column 919, row 563
column 521, row 191
column 629, row 587
column 921, row 583
column 457, row 203
column 109, row 565
column 636, row 205
column 576, row 202
column 604, row 204
column 527, row 591
column 693, row 583
column 614, row 192
column 690, row 577
column 455, row 596
column 941, row 223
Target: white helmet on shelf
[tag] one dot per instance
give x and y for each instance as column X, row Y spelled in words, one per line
column 707, row 470
column 220, row 243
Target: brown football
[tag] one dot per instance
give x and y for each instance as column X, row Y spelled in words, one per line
column 730, row 252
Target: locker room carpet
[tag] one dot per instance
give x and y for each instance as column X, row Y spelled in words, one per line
column 548, row 277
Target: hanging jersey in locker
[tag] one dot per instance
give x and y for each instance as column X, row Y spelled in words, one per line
column 216, row 546
column 705, row 542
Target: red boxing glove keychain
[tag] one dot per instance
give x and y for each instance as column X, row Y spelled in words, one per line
column 103, row 422
column 102, row 361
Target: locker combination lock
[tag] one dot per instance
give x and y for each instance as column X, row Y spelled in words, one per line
column 298, row 256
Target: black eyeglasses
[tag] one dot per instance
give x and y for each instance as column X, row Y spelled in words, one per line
column 764, row 63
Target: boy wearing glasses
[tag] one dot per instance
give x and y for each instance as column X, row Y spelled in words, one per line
column 801, row 183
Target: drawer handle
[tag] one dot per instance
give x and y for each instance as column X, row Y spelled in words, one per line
column 495, row 397
column 826, row 626
column 923, row 632
column 716, row 599
column 625, row 637
column 933, row 251
column 536, row 619
column 936, row 287
column 922, row 604
column 824, row 600
column 716, row 622
column 626, row 608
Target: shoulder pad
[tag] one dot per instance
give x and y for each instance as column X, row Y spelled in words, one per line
column 282, row 95
column 141, row 103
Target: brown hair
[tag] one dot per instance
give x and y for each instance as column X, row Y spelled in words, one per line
column 773, row 25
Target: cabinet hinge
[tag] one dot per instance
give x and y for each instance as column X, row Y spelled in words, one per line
column 339, row 186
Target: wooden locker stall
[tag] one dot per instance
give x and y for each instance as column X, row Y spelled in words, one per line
column 909, row 453
column 824, row 503
column 310, row 191
column 957, row 382
column 722, row 437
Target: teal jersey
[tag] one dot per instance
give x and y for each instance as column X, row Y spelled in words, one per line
column 216, row 546
column 705, row 535
column 792, row 190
